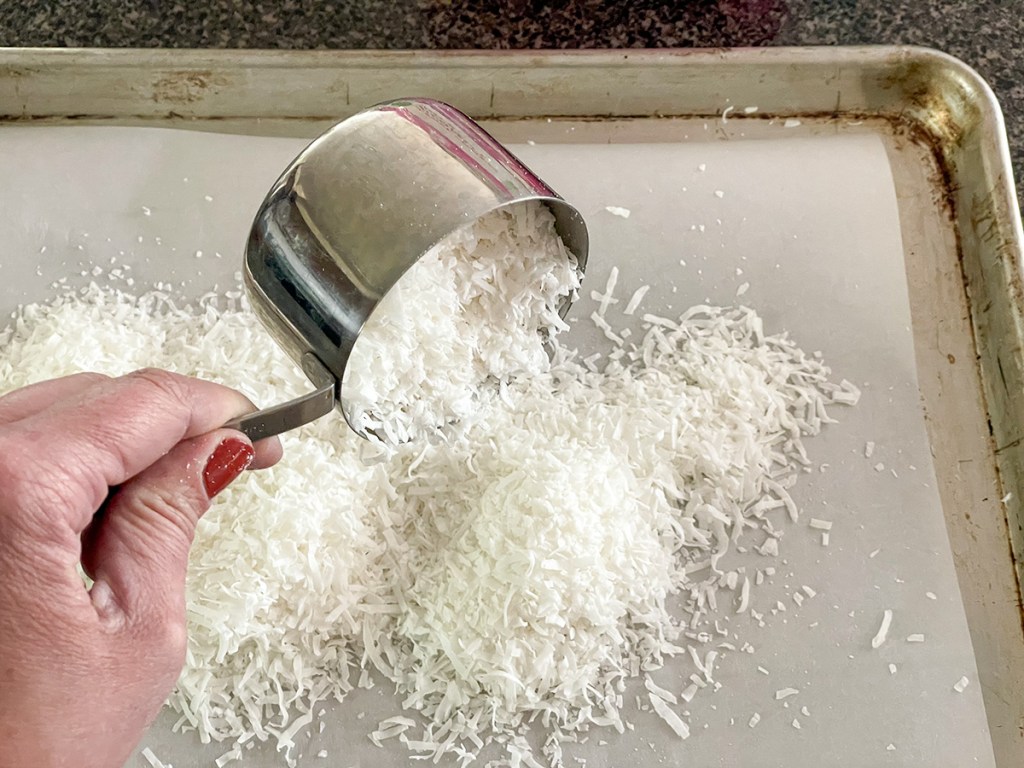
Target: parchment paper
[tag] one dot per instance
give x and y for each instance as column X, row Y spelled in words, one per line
column 811, row 225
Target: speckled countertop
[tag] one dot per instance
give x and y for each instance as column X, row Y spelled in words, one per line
column 987, row 34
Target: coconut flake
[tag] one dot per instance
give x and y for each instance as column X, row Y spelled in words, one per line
column 666, row 713
column 883, row 629
column 657, row 690
column 744, row 596
column 635, row 299
column 152, row 759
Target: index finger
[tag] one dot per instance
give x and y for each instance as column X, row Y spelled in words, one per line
column 29, row 400
column 114, row 429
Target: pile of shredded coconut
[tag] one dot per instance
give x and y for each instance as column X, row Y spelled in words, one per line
column 473, row 311
column 569, row 538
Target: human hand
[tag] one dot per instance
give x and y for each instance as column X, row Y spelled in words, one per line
column 115, row 474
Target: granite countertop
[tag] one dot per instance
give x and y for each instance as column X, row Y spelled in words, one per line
column 987, row 34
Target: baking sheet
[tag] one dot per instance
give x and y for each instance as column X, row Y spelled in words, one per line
column 813, row 225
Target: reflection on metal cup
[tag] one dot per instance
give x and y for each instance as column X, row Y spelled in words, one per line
column 355, row 210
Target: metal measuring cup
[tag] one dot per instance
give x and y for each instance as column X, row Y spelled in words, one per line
column 356, row 209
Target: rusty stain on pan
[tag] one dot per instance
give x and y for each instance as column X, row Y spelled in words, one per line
column 187, row 86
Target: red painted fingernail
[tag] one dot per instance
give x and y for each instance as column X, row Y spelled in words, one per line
column 231, row 459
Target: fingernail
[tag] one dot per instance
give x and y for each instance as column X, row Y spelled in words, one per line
column 232, row 458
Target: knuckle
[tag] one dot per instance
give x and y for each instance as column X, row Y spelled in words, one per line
column 173, row 512
column 173, row 637
column 167, row 385
column 90, row 378
column 163, row 638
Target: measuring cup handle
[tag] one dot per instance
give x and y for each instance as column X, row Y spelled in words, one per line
column 302, row 410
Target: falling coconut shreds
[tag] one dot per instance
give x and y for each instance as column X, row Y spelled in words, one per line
column 615, row 210
column 514, row 577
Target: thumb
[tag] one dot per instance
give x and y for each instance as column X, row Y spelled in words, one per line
column 137, row 548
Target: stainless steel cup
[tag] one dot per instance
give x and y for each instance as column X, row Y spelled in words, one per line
column 352, row 213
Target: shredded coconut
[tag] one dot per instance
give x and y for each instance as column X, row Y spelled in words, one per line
column 607, row 298
column 475, row 309
column 883, row 629
column 666, row 713
column 151, row 758
column 634, row 302
column 516, row 575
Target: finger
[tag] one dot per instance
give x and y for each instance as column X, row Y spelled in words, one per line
column 30, row 400
column 268, row 452
column 115, row 429
column 138, row 551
